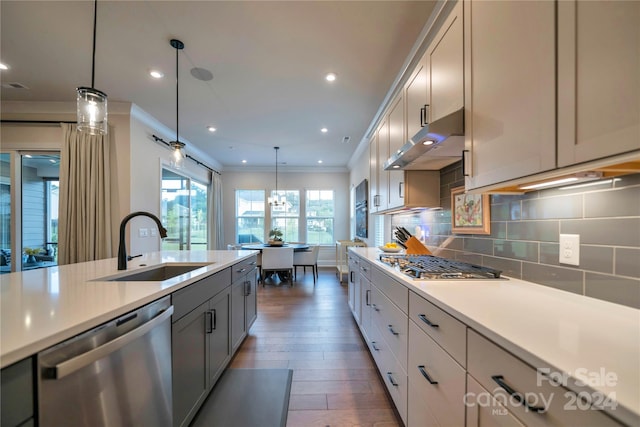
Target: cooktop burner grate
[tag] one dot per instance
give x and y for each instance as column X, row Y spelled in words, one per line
column 432, row 267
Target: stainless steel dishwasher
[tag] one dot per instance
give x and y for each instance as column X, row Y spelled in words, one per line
column 118, row 374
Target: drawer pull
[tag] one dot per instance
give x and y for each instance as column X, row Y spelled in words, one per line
column 427, row 321
column 499, row 379
column 390, row 327
column 373, row 344
column 424, row 373
column 375, row 307
column 391, row 380
column 242, row 270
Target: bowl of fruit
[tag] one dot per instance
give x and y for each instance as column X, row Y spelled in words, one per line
column 390, row 247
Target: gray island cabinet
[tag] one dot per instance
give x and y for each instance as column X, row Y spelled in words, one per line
column 211, row 318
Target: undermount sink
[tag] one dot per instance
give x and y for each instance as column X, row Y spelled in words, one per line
column 156, row 274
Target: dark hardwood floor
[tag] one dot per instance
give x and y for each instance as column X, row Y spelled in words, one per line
column 311, row 330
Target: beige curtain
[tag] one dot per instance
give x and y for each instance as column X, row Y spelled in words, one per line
column 84, row 231
column 214, row 207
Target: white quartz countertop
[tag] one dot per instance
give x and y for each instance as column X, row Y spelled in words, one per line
column 42, row 307
column 587, row 339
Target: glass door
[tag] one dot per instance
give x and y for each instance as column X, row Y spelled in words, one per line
column 5, row 213
column 183, row 212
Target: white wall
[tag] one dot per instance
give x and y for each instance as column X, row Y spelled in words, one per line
column 339, row 182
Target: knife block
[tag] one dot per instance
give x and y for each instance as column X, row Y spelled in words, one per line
column 415, row 247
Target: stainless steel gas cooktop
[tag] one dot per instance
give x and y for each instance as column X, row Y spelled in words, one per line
column 428, row 267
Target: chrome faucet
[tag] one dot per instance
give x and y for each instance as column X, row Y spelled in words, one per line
column 122, row 250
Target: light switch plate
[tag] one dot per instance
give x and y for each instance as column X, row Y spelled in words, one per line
column 570, row 249
column 143, row 232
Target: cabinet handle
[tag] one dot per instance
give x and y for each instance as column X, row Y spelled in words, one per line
column 464, row 161
column 215, row 320
column 400, row 193
column 209, row 321
column 391, row 380
column 253, row 263
column 390, row 327
column 351, row 276
column 366, row 296
column 423, row 371
column 499, row 379
column 375, row 307
column 248, row 288
column 376, row 200
column 242, row 270
column 422, row 116
column 424, row 119
column 373, row 344
column 427, row 321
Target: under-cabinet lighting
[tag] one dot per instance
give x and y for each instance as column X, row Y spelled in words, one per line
column 590, row 184
column 549, row 183
column 156, row 74
column 428, row 142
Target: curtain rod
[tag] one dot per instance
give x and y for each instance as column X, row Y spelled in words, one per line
column 198, row 162
column 44, row 122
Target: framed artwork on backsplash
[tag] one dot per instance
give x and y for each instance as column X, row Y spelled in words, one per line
column 470, row 213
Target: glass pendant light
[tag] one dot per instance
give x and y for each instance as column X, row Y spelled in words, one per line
column 92, row 103
column 276, row 199
column 177, row 160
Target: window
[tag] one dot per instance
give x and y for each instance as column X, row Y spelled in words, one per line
column 287, row 217
column 250, row 211
column 320, row 216
column 183, row 212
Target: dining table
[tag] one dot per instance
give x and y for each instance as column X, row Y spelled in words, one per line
column 260, row 246
column 283, row 275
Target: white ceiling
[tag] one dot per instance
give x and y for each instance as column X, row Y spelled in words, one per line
column 268, row 61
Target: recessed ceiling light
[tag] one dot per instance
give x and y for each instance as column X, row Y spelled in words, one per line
column 331, row 77
column 211, row 129
column 156, row 74
column 3, row 66
column 244, row 161
column 319, row 161
column 324, row 130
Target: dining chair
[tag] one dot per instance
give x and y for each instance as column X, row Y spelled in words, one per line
column 277, row 260
column 304, row 259
column 233, row 247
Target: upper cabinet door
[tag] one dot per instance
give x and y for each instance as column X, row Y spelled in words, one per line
column 445, row 67
column 396, row 141
column 416, row 98
column 374, row 195
column 598, row 79
column 510, row 103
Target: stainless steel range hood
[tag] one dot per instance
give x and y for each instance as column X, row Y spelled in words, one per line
column 435, row 146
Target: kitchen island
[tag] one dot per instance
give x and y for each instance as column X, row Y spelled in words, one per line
column 557, row 344
column 209, row 297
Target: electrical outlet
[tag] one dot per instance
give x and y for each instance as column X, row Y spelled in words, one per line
column 570, row 249
column 143, row 232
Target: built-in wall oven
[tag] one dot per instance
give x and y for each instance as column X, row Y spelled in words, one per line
column 118, row 374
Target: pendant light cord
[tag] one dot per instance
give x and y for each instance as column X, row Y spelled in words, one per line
column 177, row 99
column 93, row 62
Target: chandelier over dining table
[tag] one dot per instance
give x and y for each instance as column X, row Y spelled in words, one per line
column 276, row 199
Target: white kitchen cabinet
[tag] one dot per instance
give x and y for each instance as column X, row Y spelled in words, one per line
column 380, row 145
column 374, row 171
column 510, row 83
column 436, row 383
column 544, row 404
column 445, row 68
column 435, row 87
column 397, row 139
column 365, row 298
column 598, row 79
column 416, row 98
column 485, row 411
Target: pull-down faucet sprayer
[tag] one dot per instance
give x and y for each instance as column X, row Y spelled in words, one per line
column 122, row 250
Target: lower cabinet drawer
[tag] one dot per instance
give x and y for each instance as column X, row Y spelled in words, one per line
column 392, row 324
column 448, row 332
column 525, row 392
column 436, row 383
column 483, row 410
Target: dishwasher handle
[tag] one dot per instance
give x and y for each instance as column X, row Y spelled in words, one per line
column 69, row 366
